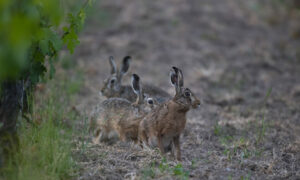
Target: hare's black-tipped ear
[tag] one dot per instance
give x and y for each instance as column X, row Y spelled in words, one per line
column 113, row 65
column 175, row 75
column 179, row 74
column 135, row 83
column 174, row 78
column 180, row 78
column 125, row 65
column 175, row 70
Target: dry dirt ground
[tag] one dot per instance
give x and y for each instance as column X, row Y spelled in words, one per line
column 242, row 58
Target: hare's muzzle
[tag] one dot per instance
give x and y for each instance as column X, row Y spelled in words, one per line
column 196, row 104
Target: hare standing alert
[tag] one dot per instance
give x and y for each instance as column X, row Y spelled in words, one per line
column 162, row 127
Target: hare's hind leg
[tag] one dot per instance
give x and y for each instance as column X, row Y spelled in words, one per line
column 99, row 136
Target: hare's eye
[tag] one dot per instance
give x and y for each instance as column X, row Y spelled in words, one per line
column 187, row 94
column 150, row 101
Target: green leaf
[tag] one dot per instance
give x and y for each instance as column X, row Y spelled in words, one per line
column 71, row 40
column 178, row 170
column 54, row 39
column 56, row 43
column 50, row 43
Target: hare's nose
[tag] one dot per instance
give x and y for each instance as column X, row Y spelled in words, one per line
column 197, row 104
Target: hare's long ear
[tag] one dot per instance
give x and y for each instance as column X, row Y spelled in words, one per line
column 174, row 78
column 113, row 65
column 135, row 83
column 136, row 86
column 125, row 65
column 180, row 78
column 174, row 74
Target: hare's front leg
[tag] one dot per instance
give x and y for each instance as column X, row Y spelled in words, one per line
column 177, row 146
column 160, row 145
column 142, row 138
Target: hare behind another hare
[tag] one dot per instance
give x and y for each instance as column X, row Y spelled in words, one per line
column 114, row 116
column 162, row 127
column 112, row 86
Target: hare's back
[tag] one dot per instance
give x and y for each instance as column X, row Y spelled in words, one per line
column 159, row 94
column 116, row 103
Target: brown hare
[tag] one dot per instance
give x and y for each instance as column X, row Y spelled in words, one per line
column 112, row 86
column 162, row 127
column 116, row 117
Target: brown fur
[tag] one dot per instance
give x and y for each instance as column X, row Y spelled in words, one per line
column 162, row 127
column 129, row 130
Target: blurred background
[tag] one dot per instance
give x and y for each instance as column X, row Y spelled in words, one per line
column 226, row 49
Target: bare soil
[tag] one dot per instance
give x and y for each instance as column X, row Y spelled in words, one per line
column 242, row 59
